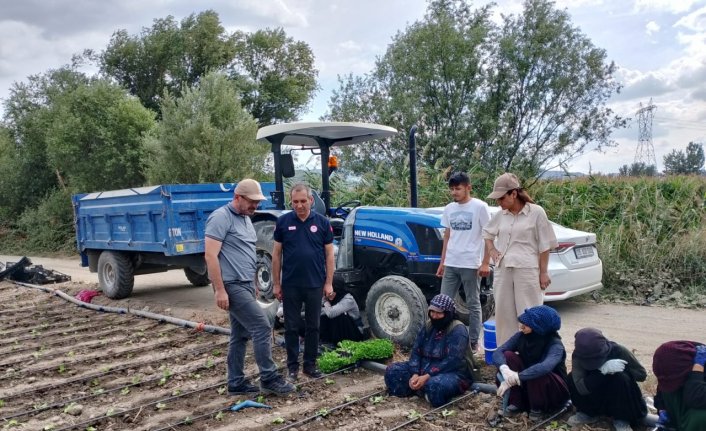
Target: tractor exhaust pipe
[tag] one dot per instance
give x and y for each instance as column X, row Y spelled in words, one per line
column 412, row 168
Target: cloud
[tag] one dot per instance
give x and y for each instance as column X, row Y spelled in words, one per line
column 278, row 10
column 651, row 28
column 644, row 86
column 672, row 6
column 694, row 21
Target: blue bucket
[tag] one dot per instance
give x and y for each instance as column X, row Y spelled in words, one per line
column 489, row 343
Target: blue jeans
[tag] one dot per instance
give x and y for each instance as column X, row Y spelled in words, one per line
column 293, row 298
column 248, row 320
column 450, row 283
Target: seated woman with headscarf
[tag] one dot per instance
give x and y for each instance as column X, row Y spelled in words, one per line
column 681, row 384
column 437, row 366
column 603, row 382
column 340, row 318
column 532, row 365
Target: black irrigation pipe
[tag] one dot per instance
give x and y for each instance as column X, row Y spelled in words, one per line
column 88, row 346
column 64, row 403
column 453, row 401
column 124, row 367
column 328, row 411
column 39, row 346
column 561, row 411
column 99, row 357
column 190, row 420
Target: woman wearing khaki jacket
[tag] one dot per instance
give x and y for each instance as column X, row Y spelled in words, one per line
column 518, row 239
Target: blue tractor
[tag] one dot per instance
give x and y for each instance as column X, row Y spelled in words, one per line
column 387, row 257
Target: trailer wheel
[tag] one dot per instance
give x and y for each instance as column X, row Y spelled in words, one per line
column 197, row 279
column 115, row 274
column 396, row 309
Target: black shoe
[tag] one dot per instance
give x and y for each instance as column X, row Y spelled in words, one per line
column 244, row 388
column 277, row 386
column 293, row 375
column 314, row 373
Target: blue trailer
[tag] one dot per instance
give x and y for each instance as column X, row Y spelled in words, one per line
column 123, row 233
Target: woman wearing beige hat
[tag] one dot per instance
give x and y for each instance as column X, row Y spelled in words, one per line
column 518, row 239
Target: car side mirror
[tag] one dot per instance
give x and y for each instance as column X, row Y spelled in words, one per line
column 286, row 164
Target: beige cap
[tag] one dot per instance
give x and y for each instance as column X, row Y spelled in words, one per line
column 250, row 189
column 503, row 184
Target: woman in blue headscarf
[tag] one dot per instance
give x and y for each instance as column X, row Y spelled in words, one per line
column 533, row 365
column 437, row 366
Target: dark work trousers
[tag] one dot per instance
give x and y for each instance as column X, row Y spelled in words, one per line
column 614, row 395
column 439, row 388
column 293, row 298
column 546, row 393
column 339, row 328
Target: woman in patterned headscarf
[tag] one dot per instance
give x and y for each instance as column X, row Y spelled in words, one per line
column 532, row 365
column 437, row 366
column 681, row 384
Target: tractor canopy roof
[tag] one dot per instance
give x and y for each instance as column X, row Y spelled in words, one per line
column 308, row 135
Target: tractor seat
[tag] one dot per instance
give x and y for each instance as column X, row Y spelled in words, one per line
column 337, row 226
column 318, row 205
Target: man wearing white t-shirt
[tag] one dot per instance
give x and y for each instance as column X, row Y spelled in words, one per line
column 464, row 219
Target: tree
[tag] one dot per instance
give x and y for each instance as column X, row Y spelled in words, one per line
column 690, row 162
column 167, row 56
column 524, row 96
column 205, row 136
column 638, row 169
column 275, row 74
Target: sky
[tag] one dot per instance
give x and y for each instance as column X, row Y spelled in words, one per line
column 659, row 47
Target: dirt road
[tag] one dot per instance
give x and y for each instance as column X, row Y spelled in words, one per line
column 641, row 328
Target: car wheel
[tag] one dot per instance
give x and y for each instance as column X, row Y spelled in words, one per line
column 115, row 274
column 396, row 309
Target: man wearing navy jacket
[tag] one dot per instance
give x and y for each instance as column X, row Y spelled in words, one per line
column 302, row 272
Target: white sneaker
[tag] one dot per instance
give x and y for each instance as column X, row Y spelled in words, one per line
column 581, row 418
column 621, row 425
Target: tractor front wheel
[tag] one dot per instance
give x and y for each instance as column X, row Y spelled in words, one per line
column 396, row 309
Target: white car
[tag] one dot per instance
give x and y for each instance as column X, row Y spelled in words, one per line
column 574, row 266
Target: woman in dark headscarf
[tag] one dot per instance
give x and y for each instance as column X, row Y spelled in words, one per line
column 603, row 381
column 437, row 366
column 340, row 318
column 681, row 384
column 532, row 364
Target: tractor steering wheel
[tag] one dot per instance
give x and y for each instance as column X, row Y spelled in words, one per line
column 342, row 210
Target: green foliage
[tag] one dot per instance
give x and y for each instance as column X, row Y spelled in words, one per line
column 521, row 96
column 275, row 75
column 349, row 352
column 686, row 162
column 205, row 136
column 638, row 169
column 48, row 227
column 650, row 231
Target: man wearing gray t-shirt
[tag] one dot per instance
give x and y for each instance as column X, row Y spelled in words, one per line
column 231, row 260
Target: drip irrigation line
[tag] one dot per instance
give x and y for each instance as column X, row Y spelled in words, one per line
column 561, row 411
column 189, row 420
column 59, row 332
column 20, row 327
column 328, row 411
column 99, row 356
column 50, row 355
column 123, row 367
column 453, row 401
column 64, row 403
column 98, row 335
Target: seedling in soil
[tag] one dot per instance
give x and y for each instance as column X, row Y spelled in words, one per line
column 40, row 406
column 110, row 412
column 323, row 412
column 446, row 413
column 69, row 407
column 160, row 406
column 136, row 380
column 12, row 423
column 188, row 421
column 329, row 381
column 219, row 416
column 91, row 429
column 71, row 354
column 176, row 392
column 49, row 427
column 278, row 421
column 166, row 374
column 377, row 399
column 95, row 382
column 260, row 399
column 62, row 369
column 2, row 403
column 413, row 414
column 216, row 353
column 209, row 363
column 350, row 398
column 36, row 355
column 125, row 391
column 98, row 391
column 555, row 425
column 221, row 390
